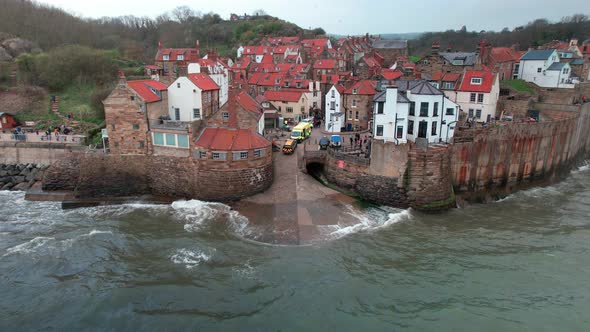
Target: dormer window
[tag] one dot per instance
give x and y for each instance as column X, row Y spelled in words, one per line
column 265, row 104
column 355, row 91
column 476, row 80
column 180, row 57
column 166, row 57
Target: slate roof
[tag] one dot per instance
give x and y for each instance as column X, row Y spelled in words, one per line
column 557, row 66
column 418, row 87
column 469, row 58
column 537, row 55
column 390, row 44
column 577, row 62
column 381, row 97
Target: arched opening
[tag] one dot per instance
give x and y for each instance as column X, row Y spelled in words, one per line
column 316, row 170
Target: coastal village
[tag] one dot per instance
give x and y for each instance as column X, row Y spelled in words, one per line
column 371, row 121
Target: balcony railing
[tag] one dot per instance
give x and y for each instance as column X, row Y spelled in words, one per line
column 169, row 125
column 42, row 138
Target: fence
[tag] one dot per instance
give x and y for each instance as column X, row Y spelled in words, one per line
column 42, row 138
column 352, row 155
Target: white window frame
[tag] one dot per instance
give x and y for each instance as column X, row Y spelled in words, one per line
column 165, row 57
column 180, row 57
column 476, row 80
column 354, row 101
column 225, row 116
column 480, row 97
column 196, row 111
column 219, row 155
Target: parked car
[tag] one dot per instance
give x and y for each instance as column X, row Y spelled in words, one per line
column 289, row 146
column 336, row 141
column 324, row 143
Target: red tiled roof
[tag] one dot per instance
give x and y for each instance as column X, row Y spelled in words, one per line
column 290, row 96
column 267, row 59
column 190, row 54
column 390, row 74
column 242, row 64
column 256, row 50
column 324, row 64
column 330, row 79
column 504, row 54
column 365, row 87
column 203, row 81
column 271, row 79
column 151, row 67
column 142, row 88
column 447, row 77
column 486, row 85
column 249, row 104
column 224, row 139
column 371, row 61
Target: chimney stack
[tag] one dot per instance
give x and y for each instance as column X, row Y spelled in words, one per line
column 122, row 79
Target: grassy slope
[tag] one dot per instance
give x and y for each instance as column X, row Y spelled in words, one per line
column 76, row 99
column 518, row 85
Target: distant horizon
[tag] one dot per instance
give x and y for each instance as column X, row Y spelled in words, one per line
column 347, row 17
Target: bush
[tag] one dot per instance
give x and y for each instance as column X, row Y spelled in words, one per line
column 98, row 95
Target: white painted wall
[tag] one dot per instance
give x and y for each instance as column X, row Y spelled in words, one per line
column 529, row 71
column 261, row 125
column 185, row 98
column 489, row 105
column 338, row 122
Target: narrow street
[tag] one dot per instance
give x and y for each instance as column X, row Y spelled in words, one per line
column 295, row 207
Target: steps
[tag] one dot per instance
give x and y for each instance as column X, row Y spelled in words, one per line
column 55, row 110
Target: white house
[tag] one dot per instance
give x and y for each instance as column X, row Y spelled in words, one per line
column 334, row 117
column 412, row 110
column 193, row 97
column 542, row 67
column 478, row 94
column 217, row 72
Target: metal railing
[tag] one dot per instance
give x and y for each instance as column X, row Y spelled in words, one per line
column 42, row 138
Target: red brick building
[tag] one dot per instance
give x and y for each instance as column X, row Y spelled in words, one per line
column 129, row 109
column 173, row 62
column 358, row 104
column 6, row 121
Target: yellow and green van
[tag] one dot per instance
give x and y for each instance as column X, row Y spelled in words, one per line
column 301, row 131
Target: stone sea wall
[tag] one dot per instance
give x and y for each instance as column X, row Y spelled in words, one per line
column 95, row 176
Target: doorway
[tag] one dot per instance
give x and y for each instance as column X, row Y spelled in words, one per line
column 422, row 129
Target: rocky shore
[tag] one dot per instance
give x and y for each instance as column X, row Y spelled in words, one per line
column 20, row 177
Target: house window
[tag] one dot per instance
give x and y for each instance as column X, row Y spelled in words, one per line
column 219, row 155
column 177, row 114
column 315, row 93
column 182, row 141
column 480, row 98
column 410, row 127
column 354, row 103
column 225, row 116
column 259, row 153
column 332, row 105
column 435, row 110
column 196, row 113
column 180, row 57
column 433, row 129
column 400, row 132
column 356, row 115
column 302, row 109
column 141, row 144
column 450, row 111
column 539, row 69
column 471, row 112
column 165, row 57
column 350, row 114
column 132, row 98
column 241, row 155
column 136, row 126
column 170, row 139
column 289, row 109
column 423, row 109
column 200, row 154
column 379, row 130
column 448, row 85
column 178, row 85
column 412, row 108
column 476, row 80
column 333, row 94
column 472, row 97
column 478, row 114
column 315, row 104
column 380, row 107
column 355, row 91
column 158, row 139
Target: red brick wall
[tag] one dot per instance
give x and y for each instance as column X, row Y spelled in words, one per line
column 364, row 107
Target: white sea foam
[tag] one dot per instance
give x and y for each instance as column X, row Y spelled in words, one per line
column 198, row 214
column 366, row 222
column 245, row 271
column 190, row 258
column 584, row 168
column 31, row 246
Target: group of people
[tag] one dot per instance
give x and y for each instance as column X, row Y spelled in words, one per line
column 358, row 140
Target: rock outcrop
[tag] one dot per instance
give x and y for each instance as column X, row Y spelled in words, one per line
column 20, row 177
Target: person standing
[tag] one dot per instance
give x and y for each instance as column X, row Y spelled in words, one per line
column 351, row 139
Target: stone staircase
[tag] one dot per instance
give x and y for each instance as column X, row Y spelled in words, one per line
column 55, row 110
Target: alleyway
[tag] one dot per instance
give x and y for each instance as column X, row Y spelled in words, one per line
column 291, row 210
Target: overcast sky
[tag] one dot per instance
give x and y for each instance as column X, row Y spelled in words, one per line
column 354, row 16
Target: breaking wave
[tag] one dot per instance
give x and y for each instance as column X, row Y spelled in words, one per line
column 368, row 220
column 199, row 215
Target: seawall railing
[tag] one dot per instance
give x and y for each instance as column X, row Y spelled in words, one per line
column 42, row 138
